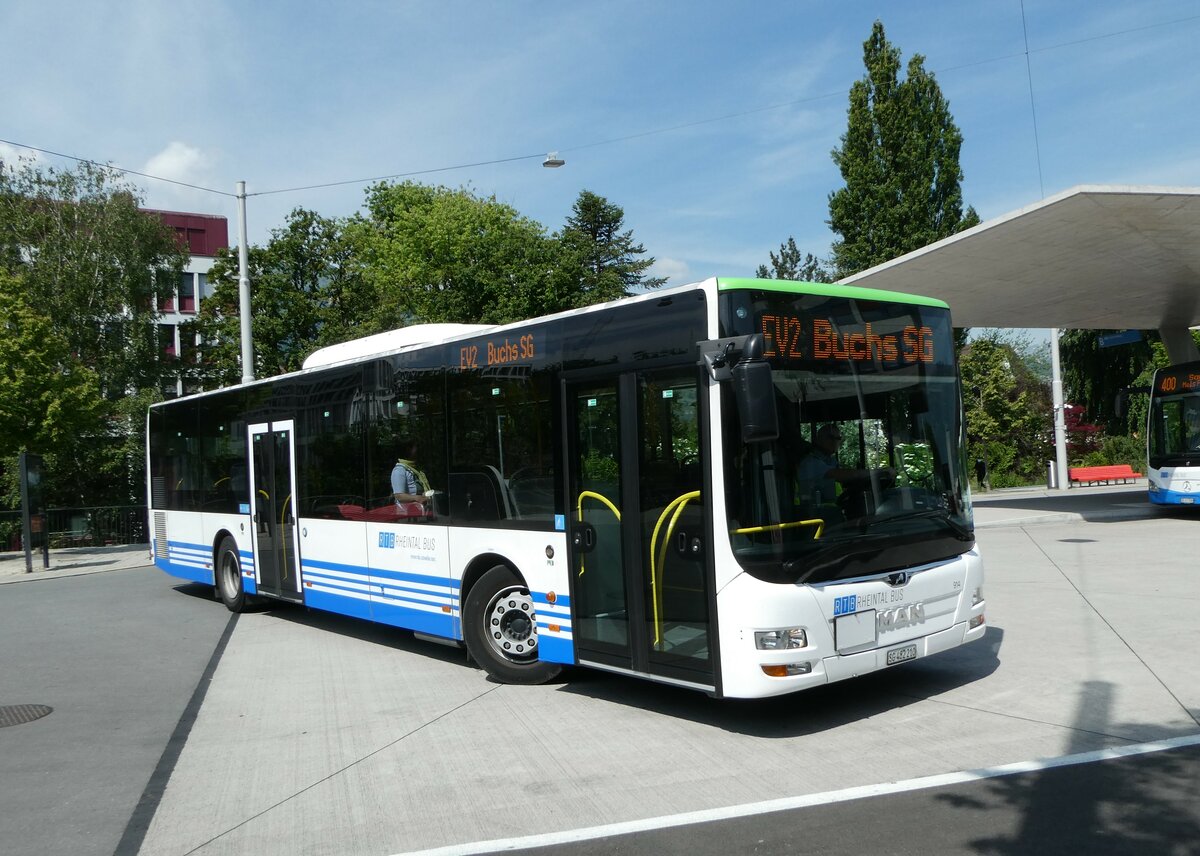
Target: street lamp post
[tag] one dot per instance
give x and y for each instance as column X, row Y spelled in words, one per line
column 244, row 287
column 1060, row 415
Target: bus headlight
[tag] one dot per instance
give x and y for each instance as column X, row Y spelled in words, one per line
column 780, row 640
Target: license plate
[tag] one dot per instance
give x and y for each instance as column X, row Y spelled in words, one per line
column 899, row 655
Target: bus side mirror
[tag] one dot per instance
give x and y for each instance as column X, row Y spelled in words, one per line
column 1121, row 403
column 754, row 391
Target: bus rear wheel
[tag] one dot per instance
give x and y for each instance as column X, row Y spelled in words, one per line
column 229, row 577
column 500, row 629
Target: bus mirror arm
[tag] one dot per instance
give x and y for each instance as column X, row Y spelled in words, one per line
column 718, row 356
column 739, row 359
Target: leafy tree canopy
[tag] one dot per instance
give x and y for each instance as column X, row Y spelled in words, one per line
column 1007, row 412
column 899, row 159
column 607, row 258
column 48, row 398
column 306, row 293
column 789, row 264
column 432, row 254
column 1092, row 376
column 93, row 262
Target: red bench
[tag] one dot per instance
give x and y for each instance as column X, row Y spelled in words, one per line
column 1107, row 474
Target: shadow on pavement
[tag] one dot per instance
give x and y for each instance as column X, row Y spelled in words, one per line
column 1144, row 804
column 1091, row 505
column 810, row 711
column 365, row 631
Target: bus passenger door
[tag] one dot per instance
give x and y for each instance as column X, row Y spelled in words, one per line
column 601, row 612
column 273, row 510
column 641, row 581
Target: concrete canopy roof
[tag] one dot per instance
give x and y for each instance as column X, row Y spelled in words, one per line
column 1092, row 257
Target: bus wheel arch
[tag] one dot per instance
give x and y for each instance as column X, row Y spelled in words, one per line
column 499, row 624
column 227, row 574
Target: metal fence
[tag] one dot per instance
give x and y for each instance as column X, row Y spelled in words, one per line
column 98, row 526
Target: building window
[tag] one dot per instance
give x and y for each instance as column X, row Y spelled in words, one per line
column 187, row 292
column 166, row 340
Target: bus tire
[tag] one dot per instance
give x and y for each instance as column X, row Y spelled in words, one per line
column 500, row 629
column 228, row 576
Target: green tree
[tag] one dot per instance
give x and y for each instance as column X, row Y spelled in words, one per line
column 789, row 264
column 1093, row 376
column 49, row 399
column 607, row 258
column 94, row 263
column 432, row 254
column 899, row 160
column 305, row 293
column 1007, row 412
column 86, row 269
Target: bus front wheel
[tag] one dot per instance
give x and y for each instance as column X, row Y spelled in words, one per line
column 500, row 629
column 229, row 577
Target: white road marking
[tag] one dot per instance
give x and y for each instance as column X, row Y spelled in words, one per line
column 590, row 833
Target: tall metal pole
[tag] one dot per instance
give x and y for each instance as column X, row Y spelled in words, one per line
column 1060, row 415
column 244, row 287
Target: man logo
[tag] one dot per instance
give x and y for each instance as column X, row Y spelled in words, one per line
column 901, row 616
column 897, row 579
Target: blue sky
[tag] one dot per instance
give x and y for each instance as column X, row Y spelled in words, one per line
column 709, row 123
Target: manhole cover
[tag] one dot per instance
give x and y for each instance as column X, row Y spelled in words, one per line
column 16, row 714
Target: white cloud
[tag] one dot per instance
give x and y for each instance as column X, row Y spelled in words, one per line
column 179, row 162
column 676, row 271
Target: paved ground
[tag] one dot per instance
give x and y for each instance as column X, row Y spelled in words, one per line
column 318, row 734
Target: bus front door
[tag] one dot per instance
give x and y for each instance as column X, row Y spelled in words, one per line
column 272, row 505
column 641, row 583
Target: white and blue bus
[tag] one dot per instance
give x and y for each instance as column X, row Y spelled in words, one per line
column 745, row 487
column 1173, row 435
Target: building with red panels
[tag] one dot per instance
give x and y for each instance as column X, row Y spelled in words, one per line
column 203, row 235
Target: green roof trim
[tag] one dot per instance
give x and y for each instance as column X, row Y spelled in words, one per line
column 826, row 289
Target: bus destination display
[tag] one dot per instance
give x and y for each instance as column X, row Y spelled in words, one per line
column 789, row 337
column 498, row 352
column 1178, row 381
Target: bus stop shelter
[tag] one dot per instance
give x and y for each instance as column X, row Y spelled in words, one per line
column 1108, row 257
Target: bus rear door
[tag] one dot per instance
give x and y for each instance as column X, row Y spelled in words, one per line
column 273, row 508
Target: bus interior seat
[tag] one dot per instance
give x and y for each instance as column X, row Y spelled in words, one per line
column 478, row 493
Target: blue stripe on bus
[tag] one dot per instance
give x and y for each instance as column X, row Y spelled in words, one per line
column 382, row 573
column 1174, row 497
column 434, row 623
column 187, row 572
column 341, row 603
column 377, row 595
column 552, row 650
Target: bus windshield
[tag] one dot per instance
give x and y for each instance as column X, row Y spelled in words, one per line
column 868, row 472
column 1175, row 417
